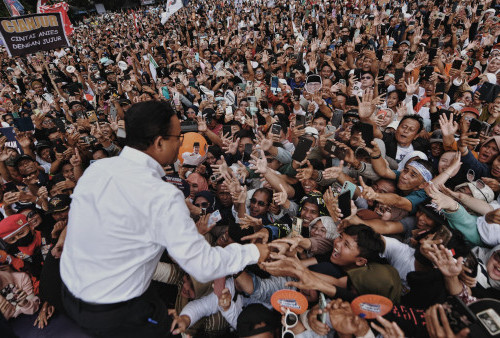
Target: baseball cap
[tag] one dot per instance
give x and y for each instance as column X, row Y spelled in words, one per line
column 311, row 131
column 11, row 225
column 483, row 193
column 59, row 203
column 470, row 110
column 255, row 314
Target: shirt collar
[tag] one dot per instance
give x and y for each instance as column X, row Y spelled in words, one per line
column 142, row 158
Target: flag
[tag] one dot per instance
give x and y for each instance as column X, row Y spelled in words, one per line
column 62, row 8
column 15, row 8
column 39, row 4
column 136, row 23
column 172, row 7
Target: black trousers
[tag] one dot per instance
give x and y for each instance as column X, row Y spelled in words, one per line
column 144, row 316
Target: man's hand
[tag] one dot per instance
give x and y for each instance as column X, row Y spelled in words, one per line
column 280, row 198
column 317, row 326
column 333, row 172
column 225, row 300
column 259, row 164
column 202, row 224
column 389, row 329
column 6, row 308
column 261, row 236
column 368, row 192
column 58, row 227
column 249, row 221
column 181, row 322
column 437, row 323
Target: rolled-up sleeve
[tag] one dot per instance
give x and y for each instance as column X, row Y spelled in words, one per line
column 175, row 230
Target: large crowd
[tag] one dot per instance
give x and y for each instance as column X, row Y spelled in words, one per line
column 359, row 140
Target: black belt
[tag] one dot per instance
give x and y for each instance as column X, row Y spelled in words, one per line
column 90, row 306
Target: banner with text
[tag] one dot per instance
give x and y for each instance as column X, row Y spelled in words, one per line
column 29, row 34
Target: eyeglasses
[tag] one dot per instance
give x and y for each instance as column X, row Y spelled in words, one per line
column 203, row 205
column 351, row 119
column 366, row 78
column 180, row 137
column 468, row 118
column 31, row 214
column 291, row 319
column 259, row 203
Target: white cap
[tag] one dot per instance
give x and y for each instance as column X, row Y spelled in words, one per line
column 311, row 131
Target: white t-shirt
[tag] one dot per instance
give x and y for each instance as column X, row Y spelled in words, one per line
column 402, row 152
column 401, row 256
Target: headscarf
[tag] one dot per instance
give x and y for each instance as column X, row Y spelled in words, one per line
column 484, row 255
column 209, row 196
column 413, row 154
column 200, row 180
column 329, row 224
column 493, row 138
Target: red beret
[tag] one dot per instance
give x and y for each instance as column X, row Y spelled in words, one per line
column 10, row 225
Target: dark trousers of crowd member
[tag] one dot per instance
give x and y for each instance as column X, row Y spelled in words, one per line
column 144, row 316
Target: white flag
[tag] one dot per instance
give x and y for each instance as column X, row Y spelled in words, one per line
column 172, row 7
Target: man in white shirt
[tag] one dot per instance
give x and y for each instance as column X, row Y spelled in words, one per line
column 122, row 217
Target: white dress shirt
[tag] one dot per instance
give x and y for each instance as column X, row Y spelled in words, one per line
column 122, row 216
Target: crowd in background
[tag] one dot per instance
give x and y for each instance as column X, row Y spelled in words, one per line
column 294, row 104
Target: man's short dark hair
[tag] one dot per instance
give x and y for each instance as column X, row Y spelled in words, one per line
column 370, row 243
column 145, row 121
column 415, row 117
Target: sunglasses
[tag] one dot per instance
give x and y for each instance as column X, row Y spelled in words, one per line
column 203, row 205
column 291, row 320
column 31, row 214
column 350, row 119
column 366, row 78
column 259, row 203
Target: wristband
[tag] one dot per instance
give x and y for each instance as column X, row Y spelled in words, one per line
column 320, row 176
column 376, row 157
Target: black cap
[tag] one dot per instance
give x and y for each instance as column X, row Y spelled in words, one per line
column 42, row 145
column 22, row 158
column 59, row 203
column 255, row 314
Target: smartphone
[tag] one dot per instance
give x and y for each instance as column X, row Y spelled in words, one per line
column 300, row 120
column 219, row 285
column 197, row 57
column 226, row 130
column 366, row 133
column 165, row 92
column 457, row 64
column 444, row 234
column 10, row 187
column 214, row 218
column 302, row 148
column 432, row 53
column 274, row 82
column 189, row 126
column 248, row 149
column 337, row 116
column 479, row 9
column 258, row 93
column 276, row 129
column 330, row 146
column 121, row 133
column 472, row 263
column 342, row 81
column 349, row 186
column 458, row 314
column 60, row 147
column 475, row 126
column 229, row 110
column 390, row 43
column 296, row 94
column 434, row 42
column 344, row 200
column 322, row 306
column 296, row 227
column 486, row 92
column 398, row 74
column 428, row 70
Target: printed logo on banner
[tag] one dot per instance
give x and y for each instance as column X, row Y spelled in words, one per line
column 29, row 34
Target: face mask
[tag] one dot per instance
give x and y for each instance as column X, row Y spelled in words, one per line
column 25, row 241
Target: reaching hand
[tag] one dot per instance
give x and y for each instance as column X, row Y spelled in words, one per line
column 261, row 236
column 333, row 172
column 389, row 329
column 444, row 261
column 438, row 325
column 248, row 221
column 441, row 200
column 281, row 197
column 260, row 164
column 448, row 126
column 368, row 192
